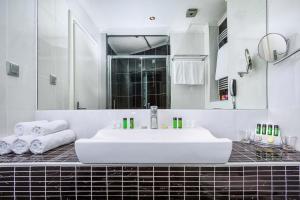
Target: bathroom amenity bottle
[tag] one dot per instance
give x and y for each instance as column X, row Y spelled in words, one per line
column 174, row 122
column 131, row 123
column 270, row 134
column 258, row 133
column 276, row 134
column 264, row 133
column 179, row 124
column 124, row 123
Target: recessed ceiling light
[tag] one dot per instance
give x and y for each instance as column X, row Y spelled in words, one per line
column 152, row 18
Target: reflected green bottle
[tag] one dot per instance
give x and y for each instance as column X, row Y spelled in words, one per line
column 124, row 123
column 179, row 122
column 131, row 123
column 174, row 122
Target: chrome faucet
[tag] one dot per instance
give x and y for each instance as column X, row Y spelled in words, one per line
column 153, row 117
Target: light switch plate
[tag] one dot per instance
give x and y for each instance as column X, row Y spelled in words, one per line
column 12, row 69
column 53, row 79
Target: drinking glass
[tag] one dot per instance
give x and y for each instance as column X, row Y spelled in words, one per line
column 244, row 136
column 289, row 143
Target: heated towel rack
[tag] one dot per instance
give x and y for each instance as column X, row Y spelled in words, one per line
column 189, row 57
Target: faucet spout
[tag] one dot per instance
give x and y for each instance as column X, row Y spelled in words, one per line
column 153, row 117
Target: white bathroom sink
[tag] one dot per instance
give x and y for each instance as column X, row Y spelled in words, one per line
column 195, row 145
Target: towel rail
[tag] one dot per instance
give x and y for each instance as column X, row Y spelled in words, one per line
column 201, row 57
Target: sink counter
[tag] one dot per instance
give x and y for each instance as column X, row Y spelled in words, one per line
column 195, row 145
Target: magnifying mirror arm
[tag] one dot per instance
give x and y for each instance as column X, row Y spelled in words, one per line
column 286, row 57
column 249, row 67
column 249, row 64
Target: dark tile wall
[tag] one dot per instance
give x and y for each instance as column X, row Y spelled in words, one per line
column 150, row 182
column 136, row 82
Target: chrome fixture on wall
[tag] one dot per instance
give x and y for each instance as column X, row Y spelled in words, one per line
column 249, row 63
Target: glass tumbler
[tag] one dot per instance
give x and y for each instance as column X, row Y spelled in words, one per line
column 244, row 136
column 289, row 143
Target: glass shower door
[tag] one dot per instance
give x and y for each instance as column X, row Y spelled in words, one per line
column 154, row 82
column 137, row 82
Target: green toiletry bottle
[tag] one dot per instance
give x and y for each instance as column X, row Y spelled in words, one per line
column 264, row 129
column 174, row 122
column 258, row 129
column 179, row 122
column 276, row 131
column 276, row 134
column 264, row 133
column 124, row 123
column 270, row 129
column 131, row 123
column 258, row 133
column 270, row 134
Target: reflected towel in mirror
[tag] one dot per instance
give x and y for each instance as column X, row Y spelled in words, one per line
column 188, row 72
column 222, row 63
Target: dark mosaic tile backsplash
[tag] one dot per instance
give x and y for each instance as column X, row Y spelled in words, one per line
column 149, row 182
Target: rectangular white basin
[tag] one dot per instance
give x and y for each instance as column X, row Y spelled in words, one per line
column 195, row 145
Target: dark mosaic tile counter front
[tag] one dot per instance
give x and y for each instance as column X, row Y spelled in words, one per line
column 257, row 177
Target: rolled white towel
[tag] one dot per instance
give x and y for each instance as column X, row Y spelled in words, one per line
column 5, row 144
column 21, row 144
column 51, row 127
column 45, row 143
column 25, row 128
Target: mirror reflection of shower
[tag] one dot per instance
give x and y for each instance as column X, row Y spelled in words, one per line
column 138, row 71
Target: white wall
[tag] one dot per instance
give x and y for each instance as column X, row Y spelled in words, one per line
column 284, row 78
column 246, row 26
column 185, row 96
column 54, row 49
column 17, row 45
column 53, row 54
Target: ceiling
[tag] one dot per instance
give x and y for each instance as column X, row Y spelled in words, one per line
column 132, row 16
column 132, row 45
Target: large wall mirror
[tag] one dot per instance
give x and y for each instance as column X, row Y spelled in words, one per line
column 88, row 60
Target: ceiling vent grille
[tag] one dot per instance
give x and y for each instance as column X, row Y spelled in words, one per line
column 192, row 12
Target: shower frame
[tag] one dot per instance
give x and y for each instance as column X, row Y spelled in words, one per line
column 141, row 57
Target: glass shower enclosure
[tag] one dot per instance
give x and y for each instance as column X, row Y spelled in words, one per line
column 137, row 82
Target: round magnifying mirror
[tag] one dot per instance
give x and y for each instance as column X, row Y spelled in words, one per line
column 272, row 47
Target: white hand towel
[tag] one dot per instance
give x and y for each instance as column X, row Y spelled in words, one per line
column 21, row 144
column 45, row 143
column 188, row 72
column 25, row 128
column 5, row 144
column 51, row 127
column 222, row 62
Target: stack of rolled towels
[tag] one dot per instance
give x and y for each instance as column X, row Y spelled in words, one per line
column 37, row 137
